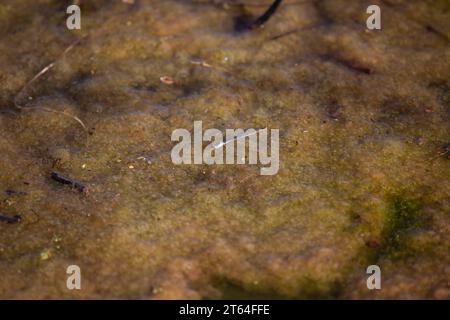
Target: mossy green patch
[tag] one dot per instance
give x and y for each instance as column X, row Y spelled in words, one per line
column 403, row 216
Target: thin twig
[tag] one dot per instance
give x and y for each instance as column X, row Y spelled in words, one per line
column 36, row 77
column 296, row 30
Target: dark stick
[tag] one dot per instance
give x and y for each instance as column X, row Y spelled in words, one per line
column 11, row 220
column 350, row 64
column 266, row 16
column 356, row 66
column 72, row 183
column 10, row 192
column 242, row 25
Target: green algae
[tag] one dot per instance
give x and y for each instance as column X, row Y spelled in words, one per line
column 403, row 216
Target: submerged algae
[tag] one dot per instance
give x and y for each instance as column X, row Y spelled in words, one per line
column 403, row 216
column 149, row 229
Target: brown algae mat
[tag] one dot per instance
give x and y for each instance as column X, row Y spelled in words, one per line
column 364, row 133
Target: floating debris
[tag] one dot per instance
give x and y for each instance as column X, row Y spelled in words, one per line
column 10, row 192
column 167, row 80
column 45, row 255
column 267, row 15
column 39, row 75
column 11, row 220
column 201, row 63
column 146, row 159
column 207, row 65
column 356, row 66
column 72, row 183
column 242, row 24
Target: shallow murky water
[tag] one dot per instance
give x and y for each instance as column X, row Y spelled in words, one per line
column 364, row 174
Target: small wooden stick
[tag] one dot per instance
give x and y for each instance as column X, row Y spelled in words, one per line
column 72, row 183
column 11, row 220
